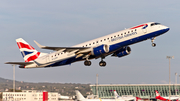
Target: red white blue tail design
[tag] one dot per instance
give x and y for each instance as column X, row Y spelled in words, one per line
column 27, row 51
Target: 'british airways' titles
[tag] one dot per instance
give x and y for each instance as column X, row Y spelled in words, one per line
column 120, row 37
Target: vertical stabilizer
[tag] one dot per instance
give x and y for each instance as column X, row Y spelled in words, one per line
column 79, row 95
column 116, row 95
column 157, row 94
column 27, row 51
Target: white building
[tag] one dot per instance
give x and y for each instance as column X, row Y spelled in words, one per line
column 29, row 95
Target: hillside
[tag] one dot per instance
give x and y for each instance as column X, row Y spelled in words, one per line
column 62, row 88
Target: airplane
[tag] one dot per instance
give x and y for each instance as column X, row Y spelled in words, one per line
column 166, row 98
column 126, row 98
column 115, row 44
column 80, row 97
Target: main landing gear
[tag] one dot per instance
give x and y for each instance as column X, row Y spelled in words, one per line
column 152, row 40
column 87, row 63
column 101, row 63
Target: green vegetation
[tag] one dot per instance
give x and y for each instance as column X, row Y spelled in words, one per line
column 11, row 90
column 0, row 95
column 62, row 88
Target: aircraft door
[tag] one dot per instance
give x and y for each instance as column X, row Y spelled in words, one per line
column 47, row 59
column 144, row 29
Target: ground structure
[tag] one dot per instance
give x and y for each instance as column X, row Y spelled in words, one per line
column 139, row 90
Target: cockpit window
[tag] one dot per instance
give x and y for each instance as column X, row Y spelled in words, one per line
column 155, row 24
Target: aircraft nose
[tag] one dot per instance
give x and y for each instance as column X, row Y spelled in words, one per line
column 165, row 28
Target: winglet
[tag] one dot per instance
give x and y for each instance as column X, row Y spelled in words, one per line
column 39, row 45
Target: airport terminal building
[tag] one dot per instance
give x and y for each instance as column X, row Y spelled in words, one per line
column 146, row 91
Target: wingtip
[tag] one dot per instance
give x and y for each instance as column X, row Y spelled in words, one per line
column 39, row 45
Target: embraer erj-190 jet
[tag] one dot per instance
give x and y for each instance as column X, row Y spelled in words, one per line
column 115, row 44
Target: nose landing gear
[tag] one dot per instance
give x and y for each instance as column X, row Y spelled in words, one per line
column 152, row 40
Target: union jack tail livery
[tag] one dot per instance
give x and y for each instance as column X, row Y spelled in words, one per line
column 27, row 51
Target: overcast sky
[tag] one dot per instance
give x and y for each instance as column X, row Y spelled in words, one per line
column 69, row 22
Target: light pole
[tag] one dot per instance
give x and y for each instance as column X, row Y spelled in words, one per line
column 175, row 82
column 14, row 78
column 169, row 57
column 97, row 85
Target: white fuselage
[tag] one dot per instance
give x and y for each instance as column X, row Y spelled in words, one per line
column 122, row 38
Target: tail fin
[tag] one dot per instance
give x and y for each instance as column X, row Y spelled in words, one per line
column 157, row 94
column 27, row 51
column 79, row 95
column 116, row 94
column 138, row 98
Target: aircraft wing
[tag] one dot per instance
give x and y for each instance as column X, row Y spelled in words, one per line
column 19, row 63
column 172, row 98
column 61, row 48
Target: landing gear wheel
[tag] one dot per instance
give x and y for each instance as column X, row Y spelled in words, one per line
column 102, row 63
column 153, row 44
column 87, row 63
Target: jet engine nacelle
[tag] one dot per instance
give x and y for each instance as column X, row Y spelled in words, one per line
column 122, row 52
column 97, row 51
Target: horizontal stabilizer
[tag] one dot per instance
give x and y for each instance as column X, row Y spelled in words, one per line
column 60, row 48
column 19, row 63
